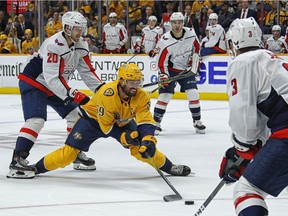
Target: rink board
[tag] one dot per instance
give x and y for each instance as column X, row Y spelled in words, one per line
column 212, row 83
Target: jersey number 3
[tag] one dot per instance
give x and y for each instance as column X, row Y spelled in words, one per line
column 234, row 86
column 52, row 58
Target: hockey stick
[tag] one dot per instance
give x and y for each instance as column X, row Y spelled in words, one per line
column 131, row 57
column 215, row 191
column 167, row 198
column 181, row 75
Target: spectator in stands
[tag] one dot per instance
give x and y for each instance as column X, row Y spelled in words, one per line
column 271, row 18
column 225, row 17
column 165, row 21
column 30, row 44
column 245, row 11
column 123, row 18
column 54, row 26
column 135, row 14
column 93, row 30
column 114, row 36
column 276, row 43
column 261, row 17
column 150, row 36
column 143, row 22
column 29, row 14
column 197, row 7
column 103, row 15
column 3, row 21
column 204, row 21
column 117, row 7
column 92, row 48
column 22, row 26
column 217, row 39
column 7, row 46
column 190, row 20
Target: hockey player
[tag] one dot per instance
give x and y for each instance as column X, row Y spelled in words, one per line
column 119, row 109
column 150, row 36
column 44, row 81
column 276, row 43
column 257, row 86
column 114, row 36
column 217, row 39
column 175, row 50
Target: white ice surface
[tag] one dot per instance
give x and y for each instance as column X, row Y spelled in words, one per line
column 121, row 185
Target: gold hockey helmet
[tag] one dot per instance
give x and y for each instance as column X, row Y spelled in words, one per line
column 129, row 72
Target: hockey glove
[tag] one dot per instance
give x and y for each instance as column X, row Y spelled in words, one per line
column 229, row 172
column 77, row 96
column 163, row 77
column 118, row 49
column 148, row 146
column 152, row 53
column 128, row 138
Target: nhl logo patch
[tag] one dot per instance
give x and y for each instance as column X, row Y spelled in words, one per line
column 109, row 92
column 77, row 136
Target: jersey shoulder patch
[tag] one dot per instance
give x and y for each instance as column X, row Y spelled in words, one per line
column 109, row 92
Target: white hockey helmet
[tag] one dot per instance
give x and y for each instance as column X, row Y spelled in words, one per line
column 177, row 16
column 73, row 19
column 152, row 18
column 112, row 14
column 213, row 16
column 276, row 28
column 245, row 33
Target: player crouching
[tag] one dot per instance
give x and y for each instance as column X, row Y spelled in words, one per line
column 119, row 109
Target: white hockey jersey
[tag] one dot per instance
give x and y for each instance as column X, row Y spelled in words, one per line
column 216, row 37
column 150, row 37
column 257, row 86
column 114, row 36
column 50, row 69
column 276, row 46
column 174, row 53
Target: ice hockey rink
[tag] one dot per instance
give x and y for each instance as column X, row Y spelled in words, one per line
column 121, row 185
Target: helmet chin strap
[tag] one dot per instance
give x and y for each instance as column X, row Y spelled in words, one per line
column 70, row 35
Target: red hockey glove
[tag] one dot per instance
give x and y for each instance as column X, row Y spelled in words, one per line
column 78, row 97
column 152, row 53
column 128, row 138
column 148, row 146
column 163, row 77
column 229, row 172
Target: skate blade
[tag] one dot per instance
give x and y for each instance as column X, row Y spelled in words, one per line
column 17, row 174
column 77, row 166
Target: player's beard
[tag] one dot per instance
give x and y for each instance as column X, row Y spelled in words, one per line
column 130, row 92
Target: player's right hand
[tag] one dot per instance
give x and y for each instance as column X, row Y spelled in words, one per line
column 229, row 172
column 78, row 97
column 163, row 77
column 128, row 138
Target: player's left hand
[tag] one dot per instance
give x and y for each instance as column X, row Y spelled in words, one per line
column 78, row 97
column 118, row 49
column 148, row 146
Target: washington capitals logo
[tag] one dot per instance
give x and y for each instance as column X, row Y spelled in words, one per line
column 57, row 42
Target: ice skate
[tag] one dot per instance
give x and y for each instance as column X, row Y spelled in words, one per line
column 83, row 162
column 157, row 129
column 19, row 169
column 199, row 127
column 179, row 170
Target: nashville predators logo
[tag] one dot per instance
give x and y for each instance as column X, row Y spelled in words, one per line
column 77, row 136
column 109, row 92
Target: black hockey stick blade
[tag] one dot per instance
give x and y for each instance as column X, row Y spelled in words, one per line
column 172, row 197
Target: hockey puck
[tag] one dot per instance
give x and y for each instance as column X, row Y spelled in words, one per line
column 190, row 202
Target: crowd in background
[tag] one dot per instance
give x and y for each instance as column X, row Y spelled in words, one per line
column 18, row 32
